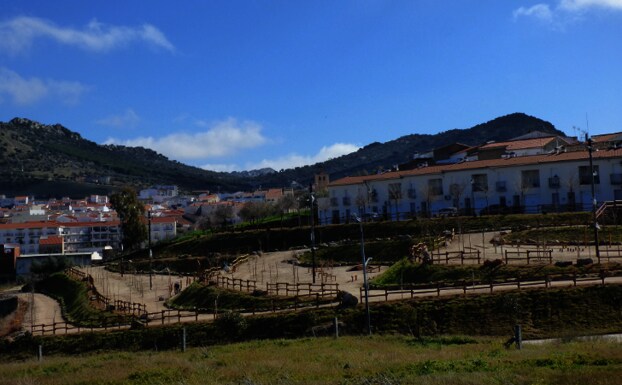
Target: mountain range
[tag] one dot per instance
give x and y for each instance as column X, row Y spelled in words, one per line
column 53, row 161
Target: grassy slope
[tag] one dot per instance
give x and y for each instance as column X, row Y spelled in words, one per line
column 347, row 360
column 204, row 297
column 74, row 300
column 405, row 272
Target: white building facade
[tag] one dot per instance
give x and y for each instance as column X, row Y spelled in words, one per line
column 531, row 184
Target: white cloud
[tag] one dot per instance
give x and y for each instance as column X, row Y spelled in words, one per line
column 25, row 91
column 539, row 11
column 579, row 5
column 222, row 138
column 565, row 11
column 295, row 160
column 128, row 119
column 220, row 167
column 18, row 34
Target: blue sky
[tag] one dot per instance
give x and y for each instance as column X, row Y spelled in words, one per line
column 234, row 85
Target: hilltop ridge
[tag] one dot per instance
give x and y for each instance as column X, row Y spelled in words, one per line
column 51, row 160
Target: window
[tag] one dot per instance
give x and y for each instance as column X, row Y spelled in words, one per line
column 501, row 186
column 435, row 187
column 554, row 182
column 585, row 177
column 616, row 178
column 479, row 182
column 373, row 195
column 530, row 179
column 395, row 191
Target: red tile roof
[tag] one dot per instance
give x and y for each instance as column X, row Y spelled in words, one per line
column 51, row 240
column 520, row 144
column 607, row 137
column 481, row 164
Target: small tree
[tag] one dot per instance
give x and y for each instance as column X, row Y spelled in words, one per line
column 223, row 214
column 286, row 204
column 131, row 212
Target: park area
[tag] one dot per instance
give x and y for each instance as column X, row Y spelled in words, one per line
column 426, row 291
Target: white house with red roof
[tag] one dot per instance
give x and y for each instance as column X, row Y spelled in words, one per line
column 553, row 181
column 76, row 236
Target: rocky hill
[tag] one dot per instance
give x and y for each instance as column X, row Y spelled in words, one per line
column 384, row 155
column 51, row 160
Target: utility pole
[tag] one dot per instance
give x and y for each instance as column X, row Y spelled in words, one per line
column 150, row 253
column 590, row 149
column 365, row 282
column 312, row 219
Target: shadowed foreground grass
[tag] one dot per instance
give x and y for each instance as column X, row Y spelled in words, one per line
column 348, row 360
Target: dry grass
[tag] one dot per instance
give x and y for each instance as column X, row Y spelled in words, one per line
column 13, row 322
column 349, row 360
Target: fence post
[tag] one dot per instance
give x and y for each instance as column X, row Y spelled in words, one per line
column 518, row 336
column 162, row 317
column 336, row 324
column 183, row 339
column 40, row 353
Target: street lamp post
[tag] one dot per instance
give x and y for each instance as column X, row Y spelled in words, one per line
column 312, row 219
column 590, row 149
column 150, row 253
column 365, row 282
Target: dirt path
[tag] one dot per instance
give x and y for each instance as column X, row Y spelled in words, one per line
column 269, row 267
column 277, row 267
column 41, row 310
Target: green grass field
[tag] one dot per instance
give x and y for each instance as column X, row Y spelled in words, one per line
column 347, row 360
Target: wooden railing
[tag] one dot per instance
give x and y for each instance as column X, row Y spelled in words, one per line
column 117, row 306
column 236, row 283
column 465, row 286
column 529, row 255
column 302, row 289
column 462, row 256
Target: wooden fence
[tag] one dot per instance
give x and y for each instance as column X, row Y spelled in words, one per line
column 118, row 306
column 529, row 255
column 303, row 289
column 163, row 317
column 466, row 287
column 462, row 256
column 236, row 283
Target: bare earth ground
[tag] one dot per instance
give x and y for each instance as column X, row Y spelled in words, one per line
column 269, row 267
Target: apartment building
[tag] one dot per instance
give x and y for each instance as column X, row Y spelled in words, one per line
column 556, row 181
column 76, row 236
